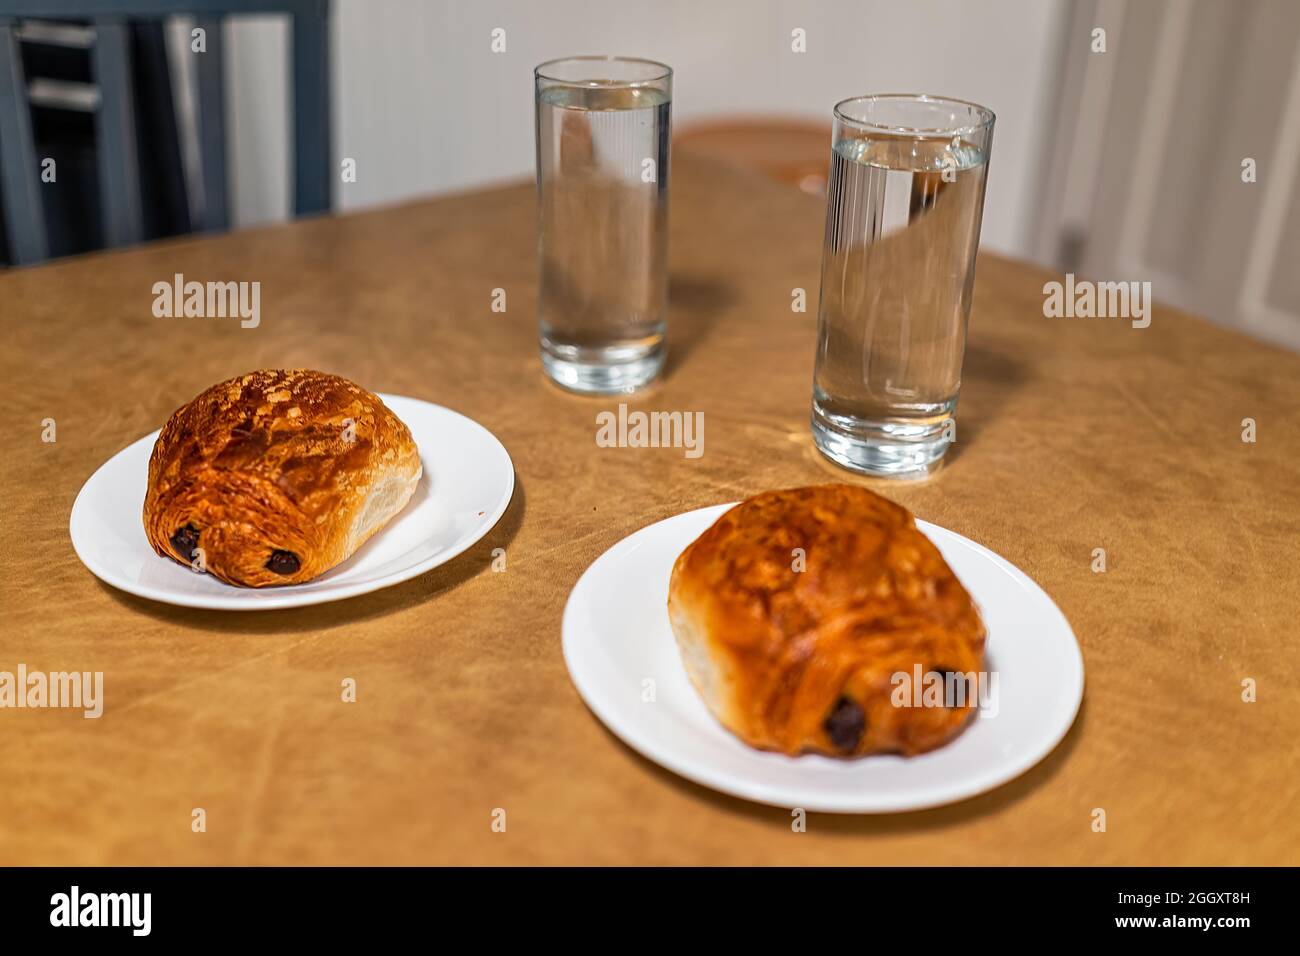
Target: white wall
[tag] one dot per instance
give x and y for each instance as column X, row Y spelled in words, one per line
column 257, row 100
column 424, row 106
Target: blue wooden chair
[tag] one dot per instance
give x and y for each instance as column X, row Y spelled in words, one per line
column 119, row 169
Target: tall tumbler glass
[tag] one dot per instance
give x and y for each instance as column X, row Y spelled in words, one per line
column 602, row 188
column 903, row 210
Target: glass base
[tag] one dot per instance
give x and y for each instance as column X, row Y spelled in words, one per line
column 887, row 448
column 602, row 372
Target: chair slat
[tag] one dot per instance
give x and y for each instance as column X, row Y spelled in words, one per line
column 311, row 109
column 212, row 125
column 119, row 168
column 19, row 175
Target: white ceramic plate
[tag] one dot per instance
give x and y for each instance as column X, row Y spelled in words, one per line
column 467, row 483
column 617, row 635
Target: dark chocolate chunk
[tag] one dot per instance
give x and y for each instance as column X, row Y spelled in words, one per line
column 282, row 562
column 185, row 540
column 846, row 724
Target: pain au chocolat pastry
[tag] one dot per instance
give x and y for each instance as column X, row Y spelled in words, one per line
column 805, row 660
column 277, row 476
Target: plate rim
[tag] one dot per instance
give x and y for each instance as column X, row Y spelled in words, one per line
column 933, row 796
column 288, row 596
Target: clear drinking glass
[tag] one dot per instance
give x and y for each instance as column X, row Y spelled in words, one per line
column 903, row 209
column 602, row 189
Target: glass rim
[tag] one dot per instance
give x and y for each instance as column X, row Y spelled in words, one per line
column 986, row 115
column 665, row 71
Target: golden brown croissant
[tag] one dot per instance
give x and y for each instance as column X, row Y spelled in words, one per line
column 277, row 476
column 805, row 660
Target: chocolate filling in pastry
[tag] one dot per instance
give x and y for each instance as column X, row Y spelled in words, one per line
column 185, row 540
column 282, row 562
column 846, row 724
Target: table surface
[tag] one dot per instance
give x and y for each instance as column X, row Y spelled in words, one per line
column 1073, row 434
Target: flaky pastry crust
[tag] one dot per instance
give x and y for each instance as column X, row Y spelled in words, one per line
column 276, row 476
column 805, row 660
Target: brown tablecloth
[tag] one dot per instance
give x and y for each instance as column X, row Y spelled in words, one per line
column 1073, row 434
